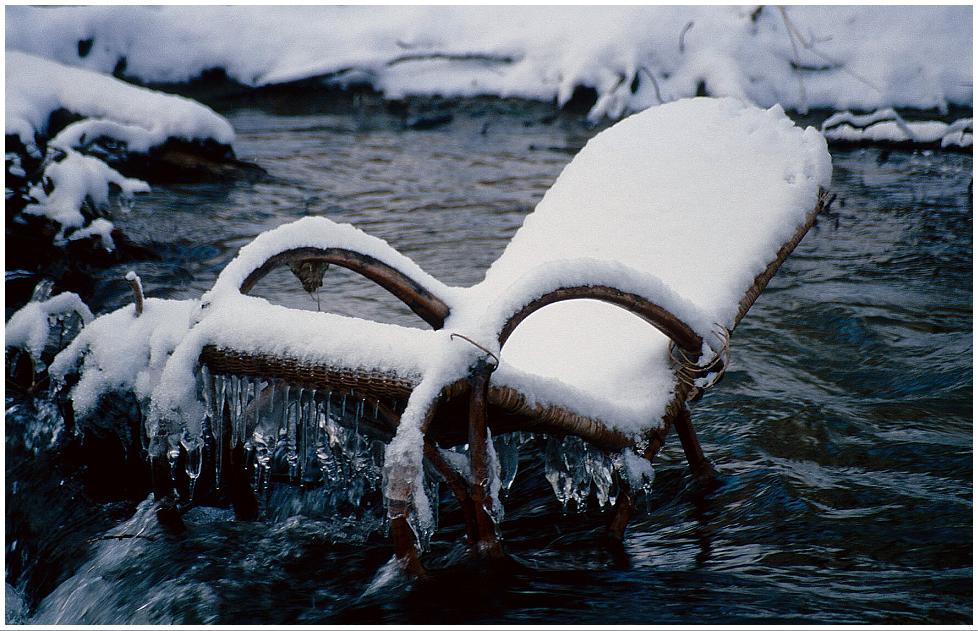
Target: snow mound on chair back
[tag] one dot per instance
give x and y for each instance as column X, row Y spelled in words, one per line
column 701, row 193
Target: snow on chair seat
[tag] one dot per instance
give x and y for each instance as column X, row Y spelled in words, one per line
column 655, row 240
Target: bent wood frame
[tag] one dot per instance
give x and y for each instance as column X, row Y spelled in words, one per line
column 430, row 308
column 485, row 401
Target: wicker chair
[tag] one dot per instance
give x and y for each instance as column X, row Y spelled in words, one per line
column 469, row 406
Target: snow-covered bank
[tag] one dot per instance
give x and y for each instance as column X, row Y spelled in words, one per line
column 632, row 57
column 69, row 133
column 138, row 117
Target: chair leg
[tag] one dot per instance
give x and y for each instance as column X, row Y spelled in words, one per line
column 456, row 483
column 242, row 497
column 698, row 463
column 624, row 508
column 406, row 545
column 399, row 507
column 167, row 511
column 487, row 544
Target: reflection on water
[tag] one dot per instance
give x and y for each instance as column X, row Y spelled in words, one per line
column 842, row 431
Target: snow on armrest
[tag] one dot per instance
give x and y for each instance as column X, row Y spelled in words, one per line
column 341, row 244
column 641, row 293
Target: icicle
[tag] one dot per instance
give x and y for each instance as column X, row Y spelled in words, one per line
column 615, row 488
column 579, row 480
column 507, row 452
column 495, row 483
column 217, row 428
column 295, row 419
column 599, row 468
column 376, row 464
column 352, row 449
column 241, row 423
column 247, row 387
column 173, row 452
column 431, row 489
column 636, row 469
column 357, row 443
column 555, row 470
column 206, row 385
column 263, row 439
column 247, row 396
column 310, row 422
column 234, row 405
column 328, row 466
column 260, row 388
column 194, row 447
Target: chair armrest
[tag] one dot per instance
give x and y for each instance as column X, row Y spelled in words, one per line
column 317, row 239
column 640, row 293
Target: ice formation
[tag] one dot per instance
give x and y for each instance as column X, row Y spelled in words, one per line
column 633, row 57
column 701, row 193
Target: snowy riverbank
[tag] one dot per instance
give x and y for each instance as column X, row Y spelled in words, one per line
column 625, row 58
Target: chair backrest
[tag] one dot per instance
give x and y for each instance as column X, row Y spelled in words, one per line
column 701, row 193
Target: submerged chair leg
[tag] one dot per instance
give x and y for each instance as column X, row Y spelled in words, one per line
column 399, row 489
column 624, row 508
column 406, row 545
column 698, row 463
column 167, row 511
column 243, row 498
column 487, row 544
column 456, row 483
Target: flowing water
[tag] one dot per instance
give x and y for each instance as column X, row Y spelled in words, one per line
column 842, row 432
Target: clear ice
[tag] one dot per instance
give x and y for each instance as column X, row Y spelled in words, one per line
column 317, row 442
column 314, row 452
column 575, row 469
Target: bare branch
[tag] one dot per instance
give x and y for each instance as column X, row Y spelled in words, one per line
column 655, row 84
column 682, row 36
column 485, row 57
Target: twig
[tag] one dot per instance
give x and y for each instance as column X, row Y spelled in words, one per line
column 137, row 290
column 682, row 36
column 794, row 50
column 498, row 59
column 477, row 345
column 810, row 46
column 655, row 84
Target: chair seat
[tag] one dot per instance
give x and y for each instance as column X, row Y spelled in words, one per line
column 324, row 350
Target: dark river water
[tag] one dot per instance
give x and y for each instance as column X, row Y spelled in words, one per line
column 842, row 432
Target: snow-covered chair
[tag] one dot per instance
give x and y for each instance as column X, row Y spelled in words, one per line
column 655, row 241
